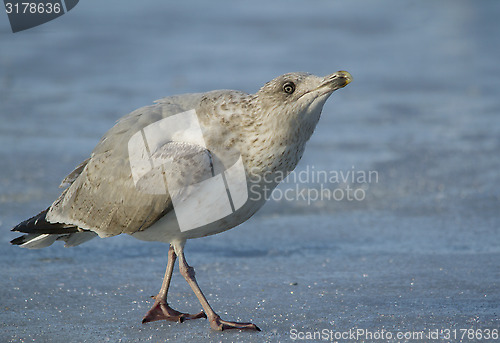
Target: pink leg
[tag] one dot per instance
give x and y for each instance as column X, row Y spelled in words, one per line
column 215, row 322
column 160, row 309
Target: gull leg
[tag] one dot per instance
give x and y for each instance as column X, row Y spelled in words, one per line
column 160, row 309
column 216, row 323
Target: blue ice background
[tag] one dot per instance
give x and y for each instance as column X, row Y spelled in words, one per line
column 420, row 253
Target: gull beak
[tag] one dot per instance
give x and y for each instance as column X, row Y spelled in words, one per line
column 337, row 80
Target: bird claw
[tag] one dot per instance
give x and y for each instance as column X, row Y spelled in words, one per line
column 161, row 311
column 218, row 324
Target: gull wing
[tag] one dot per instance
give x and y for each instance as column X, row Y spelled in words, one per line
column 104, row 197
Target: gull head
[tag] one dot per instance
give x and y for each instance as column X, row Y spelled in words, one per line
column 294, row 101
column 299, row 97
column 270, row 127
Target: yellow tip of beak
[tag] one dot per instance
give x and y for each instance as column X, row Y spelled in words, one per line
column 345, row 75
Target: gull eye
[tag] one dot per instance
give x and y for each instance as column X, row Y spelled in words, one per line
column 289, row 87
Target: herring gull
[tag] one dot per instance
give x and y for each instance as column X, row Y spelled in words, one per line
column 188, row 166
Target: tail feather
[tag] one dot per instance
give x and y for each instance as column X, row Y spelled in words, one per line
column 77, row 238
column 40, row 233
column 34, row 240
column 42, row 240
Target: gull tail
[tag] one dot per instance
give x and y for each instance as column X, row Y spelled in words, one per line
column 40, row 233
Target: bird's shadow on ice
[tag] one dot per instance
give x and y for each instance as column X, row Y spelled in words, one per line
column 245, row 252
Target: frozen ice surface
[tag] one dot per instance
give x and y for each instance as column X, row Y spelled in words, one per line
column 421, row 252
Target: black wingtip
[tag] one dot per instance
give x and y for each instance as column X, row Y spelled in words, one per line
column 39, row 224
column 30, row 225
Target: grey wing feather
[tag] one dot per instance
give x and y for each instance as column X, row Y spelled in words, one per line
column 68, row 180
column 103, row 197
